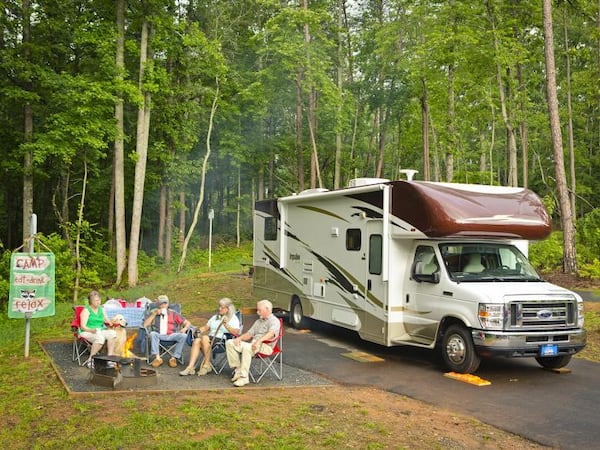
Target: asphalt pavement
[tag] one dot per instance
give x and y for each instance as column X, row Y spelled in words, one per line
column 553, row 409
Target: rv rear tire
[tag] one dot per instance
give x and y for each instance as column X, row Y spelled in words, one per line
column 296, row 314
column 458, row 350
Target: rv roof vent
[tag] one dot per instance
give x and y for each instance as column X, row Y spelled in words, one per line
column 410, row 173
column 313, row 191
column 365, row 181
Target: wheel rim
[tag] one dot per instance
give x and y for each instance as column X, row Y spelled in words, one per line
column 456, row 349
column 297, row 313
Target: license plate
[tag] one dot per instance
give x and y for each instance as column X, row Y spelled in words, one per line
column 549, row 350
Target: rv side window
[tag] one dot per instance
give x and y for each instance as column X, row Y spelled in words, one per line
column 270, row 229
column 353, row 239
column 375, row 252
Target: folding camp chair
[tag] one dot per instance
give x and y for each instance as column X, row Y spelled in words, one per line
column 81, row 346
column 262, row 364
column 166, row 349
column 218, row 355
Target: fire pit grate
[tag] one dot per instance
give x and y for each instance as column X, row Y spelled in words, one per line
column 125, row 373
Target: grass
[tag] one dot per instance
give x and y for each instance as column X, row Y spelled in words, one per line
column 38, row 413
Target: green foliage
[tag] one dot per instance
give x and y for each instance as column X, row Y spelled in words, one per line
column 590, row 270
column 547, row 255
column 224, row 257
column 588, row 236
column 4, row 278
column 64, row 265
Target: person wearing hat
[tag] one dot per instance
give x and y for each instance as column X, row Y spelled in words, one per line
column 167, row 325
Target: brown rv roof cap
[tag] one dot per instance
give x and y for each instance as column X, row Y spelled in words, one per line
column 445, row 209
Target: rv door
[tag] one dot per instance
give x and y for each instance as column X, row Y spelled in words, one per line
column 374, row 311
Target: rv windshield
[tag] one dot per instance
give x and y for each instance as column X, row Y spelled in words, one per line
column 487, row 262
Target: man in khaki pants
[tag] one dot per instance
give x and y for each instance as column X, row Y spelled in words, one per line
column 241, row 349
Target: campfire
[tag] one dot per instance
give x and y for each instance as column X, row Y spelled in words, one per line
column 127, row 353
column 124, row 372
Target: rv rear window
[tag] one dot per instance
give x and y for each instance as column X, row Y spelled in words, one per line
column 353, row 239
column 270, row 229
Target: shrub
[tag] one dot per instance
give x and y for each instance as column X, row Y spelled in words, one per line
column 588, row 237
column 547, row 255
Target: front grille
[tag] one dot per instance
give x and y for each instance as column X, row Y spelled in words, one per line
column 543, row 315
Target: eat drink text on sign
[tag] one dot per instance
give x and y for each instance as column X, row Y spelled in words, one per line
column 31, row 285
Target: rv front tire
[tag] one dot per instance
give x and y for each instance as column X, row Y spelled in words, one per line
column 458, row 350
column 553, row 362
column 296, row 314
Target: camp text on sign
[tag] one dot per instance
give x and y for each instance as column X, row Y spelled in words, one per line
column 31, row 285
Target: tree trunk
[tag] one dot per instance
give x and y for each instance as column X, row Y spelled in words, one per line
column 78, row 237
column 425, row 131
column 162, row 220
column 168, row 226
column 340, row 86
column 119, row 170
column 569, row 251
column 238, row 211
column 513, row 178
column 182, row 211
column 523, row 127
column 28, row 129
column 571, row 140
column 202, row 181
column 299, row 149
column 381, row 142
column 451, row 128
column 143, row 122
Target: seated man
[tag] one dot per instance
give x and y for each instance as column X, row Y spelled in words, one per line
column 239, row 352
column 166, row 325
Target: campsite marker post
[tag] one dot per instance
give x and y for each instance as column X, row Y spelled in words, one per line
column 211, row 216
column 28, row 313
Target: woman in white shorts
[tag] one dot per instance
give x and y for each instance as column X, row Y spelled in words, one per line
column 93, row 329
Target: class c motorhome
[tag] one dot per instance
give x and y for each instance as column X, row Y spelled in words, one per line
column 435, row 265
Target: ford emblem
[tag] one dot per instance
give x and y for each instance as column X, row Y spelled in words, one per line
column 544, row 314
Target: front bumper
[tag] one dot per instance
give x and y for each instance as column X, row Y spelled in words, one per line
column 520, row 344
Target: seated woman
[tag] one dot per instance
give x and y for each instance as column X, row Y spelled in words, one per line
column 225, row 321
column 93, row 327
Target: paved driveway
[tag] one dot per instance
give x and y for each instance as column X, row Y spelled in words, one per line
column 558, row 410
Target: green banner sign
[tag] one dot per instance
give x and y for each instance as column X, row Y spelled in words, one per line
column 31, row 285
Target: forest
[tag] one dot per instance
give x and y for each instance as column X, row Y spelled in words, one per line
column 124, row 124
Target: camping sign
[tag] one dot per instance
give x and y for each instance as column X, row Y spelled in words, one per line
column 31, row 285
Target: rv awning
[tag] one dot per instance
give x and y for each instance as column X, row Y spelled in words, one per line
column 445, row 209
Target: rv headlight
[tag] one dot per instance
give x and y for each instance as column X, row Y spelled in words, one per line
column 580, row 314
column 491, row 315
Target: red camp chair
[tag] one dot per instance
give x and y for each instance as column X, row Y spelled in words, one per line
column 81, row 346
column 262, row 364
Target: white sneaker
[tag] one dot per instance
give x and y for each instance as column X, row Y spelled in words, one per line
column 242, row 381
column 236, row 375
column 204, row 370
column 187, row 371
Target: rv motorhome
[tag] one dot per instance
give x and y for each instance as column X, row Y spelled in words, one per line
column 435, row 265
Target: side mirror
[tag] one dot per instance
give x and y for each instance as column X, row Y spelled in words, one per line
column 427, row 278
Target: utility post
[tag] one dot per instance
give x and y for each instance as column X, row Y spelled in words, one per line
column 211, row 216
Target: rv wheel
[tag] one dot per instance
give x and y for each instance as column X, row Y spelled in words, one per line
column 458, row 350
column 296, row 314
column 553, row 362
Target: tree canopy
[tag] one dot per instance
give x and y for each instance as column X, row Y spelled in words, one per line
column 311, row 93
